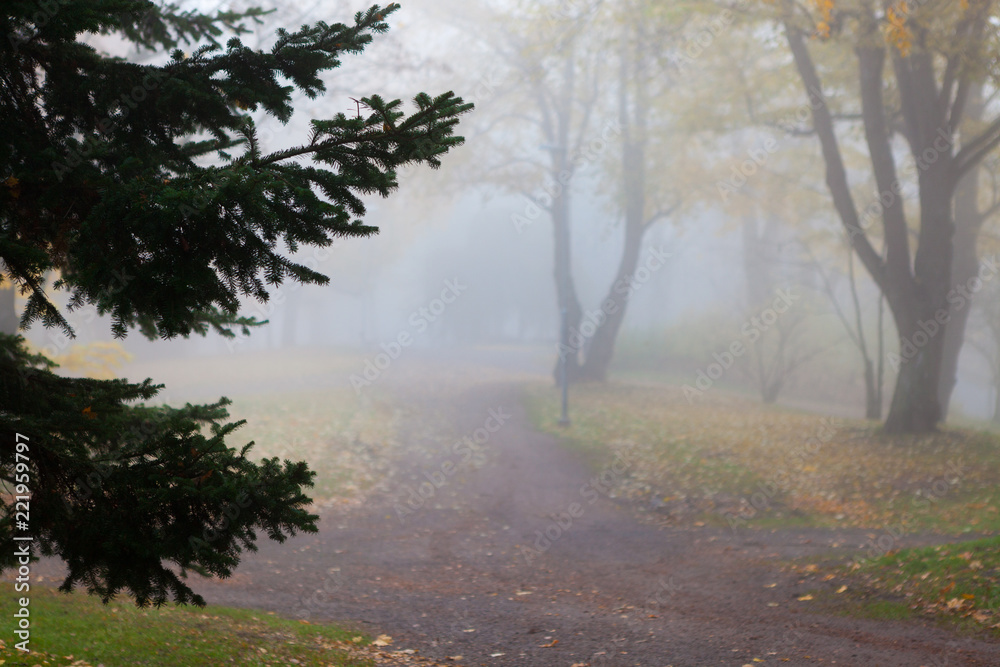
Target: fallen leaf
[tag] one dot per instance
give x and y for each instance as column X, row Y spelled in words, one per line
column 550, row 644
column 382, row 640
column 805, row 598
column 842, row 589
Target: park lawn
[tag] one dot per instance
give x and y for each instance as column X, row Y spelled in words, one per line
column 729, row 460
column 76, row 629
column 298, row 405
column 346, row 439
column 958, row 584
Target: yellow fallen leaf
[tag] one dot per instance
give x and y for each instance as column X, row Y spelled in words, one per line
column 382, row 640
column 842, row 589
column 805, row 597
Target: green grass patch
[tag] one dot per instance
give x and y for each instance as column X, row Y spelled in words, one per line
column 69, row 628
column 884, row 610
column 957, row 582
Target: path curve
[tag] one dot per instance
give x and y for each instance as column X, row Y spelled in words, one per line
column 465, row 573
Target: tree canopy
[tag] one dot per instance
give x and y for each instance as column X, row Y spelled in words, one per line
column 142, row 190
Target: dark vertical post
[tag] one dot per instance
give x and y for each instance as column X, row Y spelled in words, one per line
column 563, row 361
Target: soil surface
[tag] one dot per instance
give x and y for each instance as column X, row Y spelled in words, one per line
column 466, row 569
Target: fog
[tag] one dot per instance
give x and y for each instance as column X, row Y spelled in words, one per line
column 621, row 381
column 477, row 220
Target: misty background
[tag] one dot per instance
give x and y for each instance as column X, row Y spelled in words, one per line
column 480, row 223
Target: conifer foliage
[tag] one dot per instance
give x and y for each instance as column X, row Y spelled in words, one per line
column 142, row 190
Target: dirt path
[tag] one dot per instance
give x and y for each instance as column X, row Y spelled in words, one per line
column 465, row 573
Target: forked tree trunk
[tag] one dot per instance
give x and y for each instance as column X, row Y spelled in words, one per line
column 607, row 320
column 917, row 292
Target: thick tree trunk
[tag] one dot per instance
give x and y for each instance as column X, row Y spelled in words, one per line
column 8, row 312
column 965, row 262
column 916, row 407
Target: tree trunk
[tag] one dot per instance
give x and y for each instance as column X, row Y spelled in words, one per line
column 996, row 402
column 917, row 294
column 873, row 397
column 569, row 350
column 965, row 261
column 8, row 312
column 916, row 407
column 632, row 115
column 559, row 209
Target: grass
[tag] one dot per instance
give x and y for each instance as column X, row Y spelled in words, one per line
column 956, row 583
column 345, row 439
column 726, row 459
column 76, row 629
